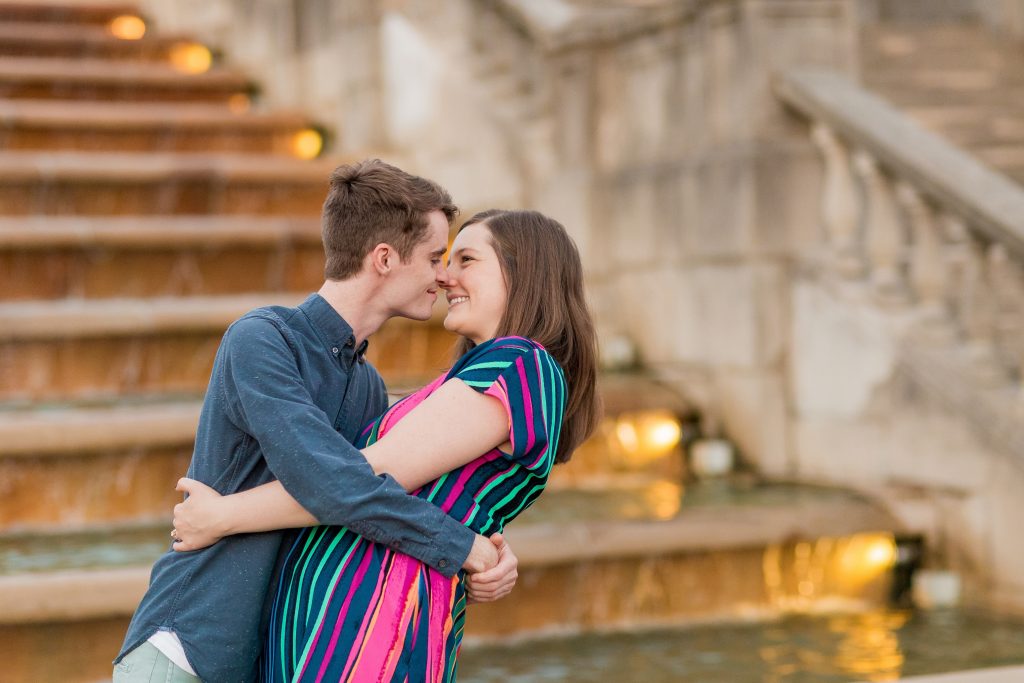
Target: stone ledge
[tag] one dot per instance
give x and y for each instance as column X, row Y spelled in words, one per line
column 150, row 167
column 135, row 115
column 1010, row 674
column 63, row 12
column 34, row 33
column 117, row 73
column 70, row 431
column 84, row 594
column 147, row 232
column 71, row 595
column 70, row 319
column 695, row 530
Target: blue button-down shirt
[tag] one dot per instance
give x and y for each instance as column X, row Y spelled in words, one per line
column 288, row 392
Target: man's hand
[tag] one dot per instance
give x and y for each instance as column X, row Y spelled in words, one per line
column 482, row 556
column 497, row 582
column 199, row 521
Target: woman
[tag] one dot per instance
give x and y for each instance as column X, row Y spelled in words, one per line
column 479, row 441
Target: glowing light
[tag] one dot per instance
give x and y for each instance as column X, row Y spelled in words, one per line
column 127, row 27
column 191, row 58
column 239, row 103
column 645, row 436
column 881, row 552
column 307, row 144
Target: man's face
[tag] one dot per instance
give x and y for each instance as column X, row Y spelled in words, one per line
column 415, row 280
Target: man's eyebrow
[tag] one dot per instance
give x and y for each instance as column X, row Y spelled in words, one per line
column 439, row 252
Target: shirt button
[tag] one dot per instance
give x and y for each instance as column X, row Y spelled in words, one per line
column 350, row 342
column 335, row 351
column 442, row 563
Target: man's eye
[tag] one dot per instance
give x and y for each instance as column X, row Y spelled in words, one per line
column 435, row 261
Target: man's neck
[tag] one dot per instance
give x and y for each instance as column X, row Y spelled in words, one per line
column 353, row 299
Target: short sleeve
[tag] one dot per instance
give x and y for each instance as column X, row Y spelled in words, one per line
column 530, row 385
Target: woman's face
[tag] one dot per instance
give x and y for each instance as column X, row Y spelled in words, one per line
column 475, row 286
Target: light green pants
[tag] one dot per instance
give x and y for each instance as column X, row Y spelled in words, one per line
column 146, row 664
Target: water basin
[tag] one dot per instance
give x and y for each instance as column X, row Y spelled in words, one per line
column 877, row 645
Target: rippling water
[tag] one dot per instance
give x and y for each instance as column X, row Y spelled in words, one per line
column 876, row 646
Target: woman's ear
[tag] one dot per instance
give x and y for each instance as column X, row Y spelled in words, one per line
column 382, row 258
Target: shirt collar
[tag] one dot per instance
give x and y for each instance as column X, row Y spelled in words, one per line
column 334, row 331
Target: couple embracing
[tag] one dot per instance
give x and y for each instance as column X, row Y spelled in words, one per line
column 329, row 537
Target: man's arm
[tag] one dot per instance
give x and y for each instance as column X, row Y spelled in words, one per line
column 322, row 471
column 205, row 517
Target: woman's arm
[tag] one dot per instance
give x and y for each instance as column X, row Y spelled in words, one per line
column 450, row 428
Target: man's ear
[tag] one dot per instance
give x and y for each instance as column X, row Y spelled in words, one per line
column 383, row 258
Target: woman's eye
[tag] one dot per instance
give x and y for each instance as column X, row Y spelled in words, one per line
column 467, row 258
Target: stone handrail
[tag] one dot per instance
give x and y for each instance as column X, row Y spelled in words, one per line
column 988, row 201
column 927, row 227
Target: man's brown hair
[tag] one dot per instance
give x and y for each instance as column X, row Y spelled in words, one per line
column 546, row 303
column 373, row 202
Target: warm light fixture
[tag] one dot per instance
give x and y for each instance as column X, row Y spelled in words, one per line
column 191, row 58
column 127, row 27
column 647, row 435
column 307, row 143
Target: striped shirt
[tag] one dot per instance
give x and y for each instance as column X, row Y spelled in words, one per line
column 348, row 609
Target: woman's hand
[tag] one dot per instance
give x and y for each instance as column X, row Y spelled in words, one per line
column 199, row 521
column 497, row 582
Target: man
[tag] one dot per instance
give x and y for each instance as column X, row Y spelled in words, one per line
column 289, row 391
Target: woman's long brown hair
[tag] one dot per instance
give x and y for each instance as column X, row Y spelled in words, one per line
column 544, row 278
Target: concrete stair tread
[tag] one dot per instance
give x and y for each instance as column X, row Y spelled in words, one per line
column 66, row 12
column 35, row 33
column 69, row 430
column 155, row 166
column 44, row 232
column 107, row 72
column 140, row 115
column 72, row 592
column 77, row 318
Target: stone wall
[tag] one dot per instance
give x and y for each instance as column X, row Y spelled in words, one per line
column 651, row 134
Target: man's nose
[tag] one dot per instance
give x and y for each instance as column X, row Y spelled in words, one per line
column 442, row 276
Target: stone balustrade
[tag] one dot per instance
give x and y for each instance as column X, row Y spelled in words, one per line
column 923, row 225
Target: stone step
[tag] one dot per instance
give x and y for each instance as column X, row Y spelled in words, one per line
column 92, row 79
column 102, row 349
column 48, row 258
column 64, row 467
column 140, row 126
column 78, row 41
column 571, row 577
column 88, row 13
column 85, row 183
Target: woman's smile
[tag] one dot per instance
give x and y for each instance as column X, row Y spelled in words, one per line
column 457, row 300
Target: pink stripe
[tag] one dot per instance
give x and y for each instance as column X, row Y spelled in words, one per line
column 464, row 475
column 442, row 592
column 527, row 404
column 376, row 653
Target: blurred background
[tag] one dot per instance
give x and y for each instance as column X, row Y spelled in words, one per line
column 803, row 229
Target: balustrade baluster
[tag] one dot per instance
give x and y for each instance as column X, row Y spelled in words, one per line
column 885, row 236
column 928, row 268
column 839, row 204
column 978, row 312
column 1008, row 290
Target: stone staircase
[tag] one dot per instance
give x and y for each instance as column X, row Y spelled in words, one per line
column 962, row 81
column 142, row 208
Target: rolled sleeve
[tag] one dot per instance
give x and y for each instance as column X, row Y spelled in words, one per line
column 326, row 474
